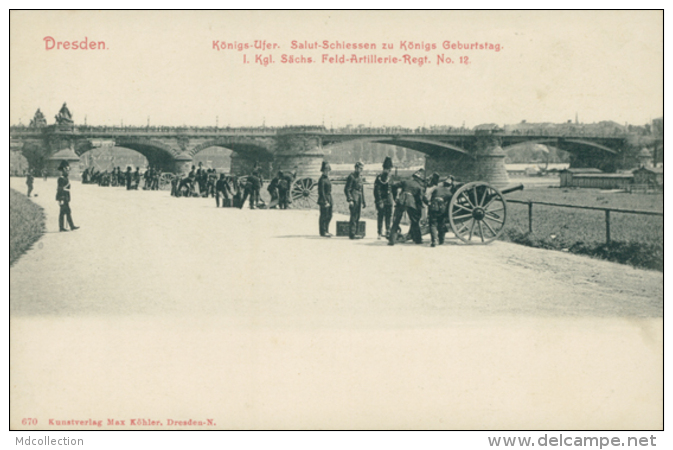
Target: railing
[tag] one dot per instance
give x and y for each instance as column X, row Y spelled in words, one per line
column 595, row 208
column 456, row 131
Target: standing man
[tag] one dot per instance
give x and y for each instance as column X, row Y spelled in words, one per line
column 439, row 210
column 63, row 197
column 383, row 196
column 355, row 196
column 29, row 181
column 129, row 177
column 325, row 200
column 136, row 178
column 410, row 200
column 283, row 190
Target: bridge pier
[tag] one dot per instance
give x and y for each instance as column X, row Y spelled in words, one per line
column 182, row 164
column 299, row 153
column 242, row 165
column 490, row 161
column 486, row 162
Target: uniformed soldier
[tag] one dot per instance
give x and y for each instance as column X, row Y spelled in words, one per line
column 410, row 200
column 128, row 177
column 439, row 210
column 136, row 178
column 147, row 176
column 222, row 191
column 273, row 191
column 155, row 179
column 63, row 197
column 253, row 186
column 212, row 179
column 200, row 179
column 383, row 196
column 355, row 196
column 325, row 200
column 285, row 180
column 29, row 181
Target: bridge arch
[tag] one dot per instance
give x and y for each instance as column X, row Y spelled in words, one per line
column 157, row 153
column 245, row 147
column 246, row 154
column 570, row 145
column 426, row 146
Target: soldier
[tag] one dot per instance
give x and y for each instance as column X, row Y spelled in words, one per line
column 192, row 180
column 121, row 177
column 212, row 179
column 184, row 187
column 273, row 191
column 155, row 179
column 383, row 196
column 63, row 197
column 147, row 176
column 438, row 210
column 174, row 186
column 129, row 177
column 136, row 178
column 355, row 196
column 29, row 181
column 410, row 200
column 284, row 184
column 325, row 200
column 222, row 191
column 253, row 185
column 237, row 194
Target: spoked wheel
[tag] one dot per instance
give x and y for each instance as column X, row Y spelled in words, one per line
column 477, row 213
column 304, row 193
column 165, row 181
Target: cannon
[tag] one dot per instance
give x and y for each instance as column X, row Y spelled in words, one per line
column 477, row 212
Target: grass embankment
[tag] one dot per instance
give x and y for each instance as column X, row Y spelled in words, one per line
column 637, row 240
column 26, row 224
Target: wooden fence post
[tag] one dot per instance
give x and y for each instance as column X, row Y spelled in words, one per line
column 530, row 216
column 607, row 225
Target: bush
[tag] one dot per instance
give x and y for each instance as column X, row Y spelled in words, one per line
column 636, row 254
column 26, row 224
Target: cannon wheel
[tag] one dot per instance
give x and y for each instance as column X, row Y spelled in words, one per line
column 304, row 193
column 477, row 213
column 165, row 181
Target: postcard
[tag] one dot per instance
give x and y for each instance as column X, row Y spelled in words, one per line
column 313, row 220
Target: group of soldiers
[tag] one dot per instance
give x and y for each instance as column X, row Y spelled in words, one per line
column 406, row 196
column 392, row 199
column 232, row 191
column 117, row 177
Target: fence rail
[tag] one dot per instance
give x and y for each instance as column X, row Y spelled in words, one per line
column 594, row 208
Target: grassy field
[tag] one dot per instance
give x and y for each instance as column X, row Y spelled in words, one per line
column 26, row 224
column 636, row 239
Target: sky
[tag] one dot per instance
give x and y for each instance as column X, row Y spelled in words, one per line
column 164, row 67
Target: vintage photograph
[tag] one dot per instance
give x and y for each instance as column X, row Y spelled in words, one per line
column 336, row 220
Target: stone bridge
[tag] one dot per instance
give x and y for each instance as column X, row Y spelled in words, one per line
column 467, row 154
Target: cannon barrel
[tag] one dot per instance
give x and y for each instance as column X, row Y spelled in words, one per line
column 518, row 187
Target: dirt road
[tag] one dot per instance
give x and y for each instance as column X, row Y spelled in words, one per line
column 172, row 309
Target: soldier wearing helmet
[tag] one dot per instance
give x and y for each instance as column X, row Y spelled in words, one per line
column 63, row 198
column 355, row 196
